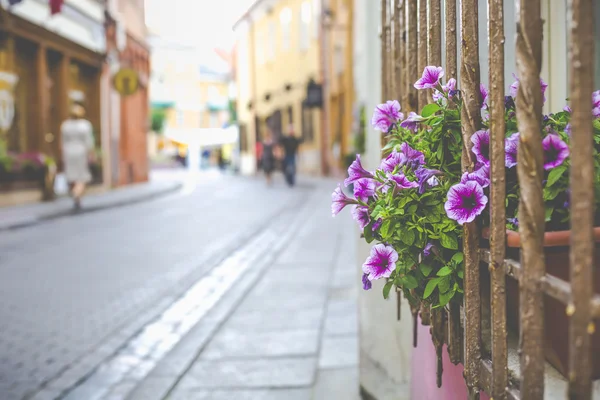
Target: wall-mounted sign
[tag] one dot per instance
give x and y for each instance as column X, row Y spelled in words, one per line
column 8, row 81
column 126, row 81
column 314, row 95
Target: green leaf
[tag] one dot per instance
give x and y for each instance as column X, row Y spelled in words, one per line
column 376, row 211
column 555, row 175
column 549, row 212
column 461, row 274
column 368, row 232
column 446, row 270
column 429, row 110
column 387, row 288
column 410, row 282
column 385, row 228
column 448, row 241
column 408, row 238
column 458, row 258
column 444, row 284
column 431, row 285
column 446, row 297
column 425, row 269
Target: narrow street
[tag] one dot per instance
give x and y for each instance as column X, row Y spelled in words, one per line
column 224, row 285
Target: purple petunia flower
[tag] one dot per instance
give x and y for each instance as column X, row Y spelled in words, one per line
column 381, row 262
column 392, row 161
column 481, row 146
column 364, row 189
column 450, row 87
column 567, row 108
column 412, row 121
column 414, row 158
column 481, row 176
column 366, row 282
column 339, row 200
column 511, row 145
column 514, row 88
column 425, row 177
column 400, row 182
column 386, row 115
column 429, row 248
column 465, row 202
column 377, row 224
column 568, row 129
column 596, row 103
column 430, row 78
column 437, row 95
column 555, row 151
column 514, row 221
column 356, row 172
column 484, row 95
column 361, row 215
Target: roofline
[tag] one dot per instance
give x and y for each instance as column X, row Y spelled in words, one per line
column 246, row 15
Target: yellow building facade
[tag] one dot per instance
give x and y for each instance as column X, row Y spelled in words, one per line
column 277, row 55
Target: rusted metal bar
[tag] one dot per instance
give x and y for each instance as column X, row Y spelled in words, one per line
column 450, row 9
column 531, row 206
column 425, row 314
column 414, row 310
column 454, row 333
column 384, row 51
column 434, row 55
column 412, row 68
column 581, row 47
column 511, row 392
column 497, row 197
column 422, row 54
column 438, row 323
column 596, row 307
column 470, row 123
column 398, row 304
column 399, row 52
column 512, row 268
column 390, row 52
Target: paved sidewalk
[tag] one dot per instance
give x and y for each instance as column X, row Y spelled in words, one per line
column 26, row 215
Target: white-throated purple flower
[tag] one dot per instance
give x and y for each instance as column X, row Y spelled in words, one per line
column 412, row 121
column 399, row 182
column 568, row 129
column 366, row 282
column 364, row 189
column 386, row 115
column 481, row 146
column 514, row 221
column 361, row 215
column 426, row 177
column 484, row 95
column 339, row 200
column 481, row 176
column 429, row 248
column 414, row 158
column 596, row 103
column 381, row 262
column 437, row 95
column 511, row 145
column 450, row 87
column 393, row 160
column 430, row 78
column 555, row 151
column 514, row 88
column 567, row 108
column 465, row 202
column 356, row 172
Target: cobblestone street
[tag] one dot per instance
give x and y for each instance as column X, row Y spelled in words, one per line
column 225, row 289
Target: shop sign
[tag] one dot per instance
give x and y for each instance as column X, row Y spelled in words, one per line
column 8, row 81
column 314, row 95
column 126, row 81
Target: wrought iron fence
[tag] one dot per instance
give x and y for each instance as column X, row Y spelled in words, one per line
column 411, row 38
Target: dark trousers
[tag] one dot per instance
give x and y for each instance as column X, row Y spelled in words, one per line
column 289, row 169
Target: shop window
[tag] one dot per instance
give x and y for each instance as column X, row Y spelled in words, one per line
column 308, row 133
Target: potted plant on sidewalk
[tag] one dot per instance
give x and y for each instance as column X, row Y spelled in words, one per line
column 415, row 203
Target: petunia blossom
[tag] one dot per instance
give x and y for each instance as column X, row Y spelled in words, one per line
column 425, row 178
column 429, row 248
column 377, row 224
column 430, row 78
column 437, row 95
column 399, row 182
column 596, row 103
column 484, row 95
column 366, row 282
column 465, row 202
column 361, row 215
column 386, row 115
column 514, row 88
column 481, row 176
column 555, row 151
column 414, row 158
column 356, row 172
column 567, row 108
column 381, row 262
column 393, row 160
column 450, row 87
column 364, row 189
column 339, row 200
column 481, row 146
column 412, row 121
column 511, row 145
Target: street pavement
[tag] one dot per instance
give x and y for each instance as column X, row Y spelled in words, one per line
column 225, row 289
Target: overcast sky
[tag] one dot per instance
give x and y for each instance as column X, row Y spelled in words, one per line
column 202, row 23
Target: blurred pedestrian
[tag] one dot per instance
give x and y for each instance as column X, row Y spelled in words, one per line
column 268, row 155
column 290, row 144
column 77, row 141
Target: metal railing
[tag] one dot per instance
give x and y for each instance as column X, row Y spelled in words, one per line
column 411, row 39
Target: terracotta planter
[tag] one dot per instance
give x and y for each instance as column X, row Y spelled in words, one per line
column 556, row 321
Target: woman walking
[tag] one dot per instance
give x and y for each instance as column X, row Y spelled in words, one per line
column 268, row 155
column 77, row 149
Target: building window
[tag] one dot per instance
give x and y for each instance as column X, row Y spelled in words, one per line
column 272, row 41
column 179, row 117
column 305, row 18
column 214, row 120
column 260, row 47
column 285, row 17
column 316, row 8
